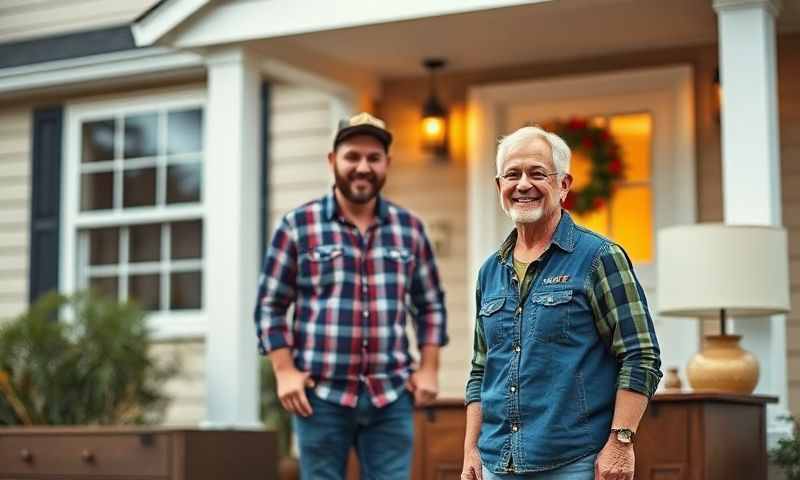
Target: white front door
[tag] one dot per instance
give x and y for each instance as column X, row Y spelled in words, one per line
column 651, row 113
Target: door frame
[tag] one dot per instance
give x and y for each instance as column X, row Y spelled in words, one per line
column 666, row 92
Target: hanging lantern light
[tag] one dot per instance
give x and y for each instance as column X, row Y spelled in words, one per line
column 434, row 115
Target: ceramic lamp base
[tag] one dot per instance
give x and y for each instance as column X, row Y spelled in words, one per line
column 723, row 366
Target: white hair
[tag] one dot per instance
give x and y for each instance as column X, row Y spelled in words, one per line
column 523, row 136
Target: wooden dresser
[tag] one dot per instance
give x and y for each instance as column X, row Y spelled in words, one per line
column 703, row 436
column 108, row 453
column 683, row 436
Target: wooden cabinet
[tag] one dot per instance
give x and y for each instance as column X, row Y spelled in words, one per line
column 77, row 453
column 684, row 436
column 703, row 436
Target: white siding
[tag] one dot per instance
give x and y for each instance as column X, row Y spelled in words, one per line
column 187, row 390
column 15, row 141
column 301, row 131
column 23, row 19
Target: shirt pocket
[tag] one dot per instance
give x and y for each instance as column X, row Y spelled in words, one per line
column 322, row 266
column 496, row 322
column 551, row 312
column 397, row 265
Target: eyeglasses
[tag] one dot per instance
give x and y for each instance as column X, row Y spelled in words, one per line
column 515, row 176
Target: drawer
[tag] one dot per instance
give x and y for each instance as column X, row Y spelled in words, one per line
column 72, row 454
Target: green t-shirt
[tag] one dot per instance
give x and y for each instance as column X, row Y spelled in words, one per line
column 525, row 277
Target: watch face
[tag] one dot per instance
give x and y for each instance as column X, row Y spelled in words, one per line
column 625, row 436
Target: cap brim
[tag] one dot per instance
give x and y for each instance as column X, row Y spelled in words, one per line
column 380, row 134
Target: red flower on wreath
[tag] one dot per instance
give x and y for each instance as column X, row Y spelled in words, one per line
column 615, row 166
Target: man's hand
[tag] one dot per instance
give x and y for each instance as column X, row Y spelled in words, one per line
column 615, row 462
column 424, row 384
column 472, row 465
column 292, row 385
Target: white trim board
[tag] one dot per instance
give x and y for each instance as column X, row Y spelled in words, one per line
column 118, row 65
column 229, row 22
column 165, row 325
column 666, row 92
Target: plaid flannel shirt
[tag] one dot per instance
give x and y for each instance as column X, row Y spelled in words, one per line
column 350, row 294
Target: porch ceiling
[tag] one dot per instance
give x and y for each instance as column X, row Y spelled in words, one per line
column 524, row 34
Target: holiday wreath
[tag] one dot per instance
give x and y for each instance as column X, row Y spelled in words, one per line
column 603, row 152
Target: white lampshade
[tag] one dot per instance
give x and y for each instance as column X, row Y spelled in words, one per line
column 704, row 268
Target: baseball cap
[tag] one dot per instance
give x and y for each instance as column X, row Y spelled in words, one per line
column 363, row 124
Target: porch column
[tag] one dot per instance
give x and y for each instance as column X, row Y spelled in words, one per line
column 231, row 238
column 751, row 165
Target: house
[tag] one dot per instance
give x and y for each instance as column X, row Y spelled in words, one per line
column 147, row 148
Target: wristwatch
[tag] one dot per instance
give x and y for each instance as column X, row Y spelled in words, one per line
column 624, row 435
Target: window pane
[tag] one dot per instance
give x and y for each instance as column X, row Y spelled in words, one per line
column 186, row 290
column 140, row 187
column 106, row 287
column 146, row 290
column 145, row 243
column 187, row 240
column 97, row 191
column 596, row 220
column 98, row 141
column 104, row 246
column 633, row 133
column 632, row 220
column 141, row 135
column 183, row 183
column 185, row 131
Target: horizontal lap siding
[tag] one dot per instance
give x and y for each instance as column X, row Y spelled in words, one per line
column 15, row 155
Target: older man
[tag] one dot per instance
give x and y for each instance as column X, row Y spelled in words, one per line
column 565, row 356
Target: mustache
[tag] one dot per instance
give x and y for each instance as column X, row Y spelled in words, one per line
column 370, row 177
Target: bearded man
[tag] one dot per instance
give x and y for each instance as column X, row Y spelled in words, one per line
column 352, row 264
column 565, row 357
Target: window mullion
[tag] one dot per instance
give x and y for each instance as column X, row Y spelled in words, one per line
column 119, row 173
column 166, row 238
column 124, row 242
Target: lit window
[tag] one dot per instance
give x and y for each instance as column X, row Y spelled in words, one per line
column 628, row 218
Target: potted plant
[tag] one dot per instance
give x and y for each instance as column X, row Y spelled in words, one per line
column 91, row 367
column 787, row 453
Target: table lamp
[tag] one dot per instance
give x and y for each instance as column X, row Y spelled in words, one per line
column 715, row 270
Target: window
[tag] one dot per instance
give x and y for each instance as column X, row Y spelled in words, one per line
column 134, row 209
column 628, row 218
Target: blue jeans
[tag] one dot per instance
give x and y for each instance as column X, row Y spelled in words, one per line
column 383, row 438
column 582, row 469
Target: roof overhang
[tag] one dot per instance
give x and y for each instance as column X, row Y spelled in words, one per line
column 180, row 23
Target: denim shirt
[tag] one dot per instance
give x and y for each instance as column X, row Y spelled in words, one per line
column 550, row 367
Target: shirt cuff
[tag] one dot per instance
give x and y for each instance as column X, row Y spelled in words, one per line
column 473, row 391
column 639, row 379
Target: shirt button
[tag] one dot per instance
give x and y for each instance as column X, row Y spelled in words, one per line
column 519, row 309
column 365, row 343
column 366, row 314
column 513, row 389
column 514, row 428
column 517, row 348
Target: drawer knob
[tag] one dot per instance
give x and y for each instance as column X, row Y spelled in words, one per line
column 25, row 455
column 87, row 456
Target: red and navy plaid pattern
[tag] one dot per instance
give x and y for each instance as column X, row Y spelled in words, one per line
column 350, row 294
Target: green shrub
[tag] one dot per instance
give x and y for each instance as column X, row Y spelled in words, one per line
column 91, row 367
column 787, row 453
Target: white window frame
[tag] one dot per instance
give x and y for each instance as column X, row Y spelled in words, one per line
column 165, row 324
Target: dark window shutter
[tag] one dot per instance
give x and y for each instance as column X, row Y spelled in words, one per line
column 45, row 201
column 263, row 210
